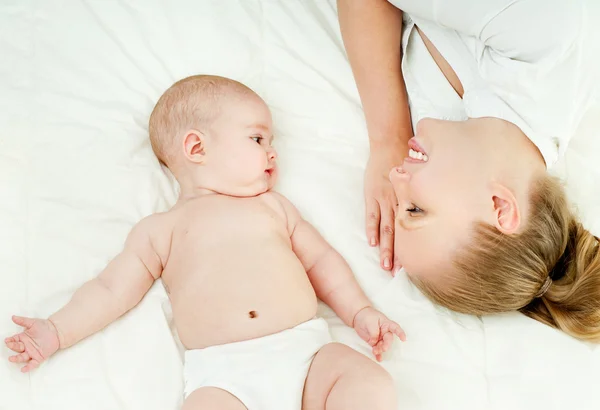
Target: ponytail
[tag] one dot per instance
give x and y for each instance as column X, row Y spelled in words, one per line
column 572, row 301
column 550, row 271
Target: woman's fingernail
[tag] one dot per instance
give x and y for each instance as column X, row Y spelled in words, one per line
column 386, row 263
column 373, row 242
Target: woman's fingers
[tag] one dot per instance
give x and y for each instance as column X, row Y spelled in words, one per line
column 372, row 220
column 386, row 235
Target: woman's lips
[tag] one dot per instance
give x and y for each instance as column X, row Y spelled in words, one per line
column 416, row 153
column 414, row 144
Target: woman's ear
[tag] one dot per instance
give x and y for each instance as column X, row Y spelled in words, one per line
column 194, row 146
column 507, row 216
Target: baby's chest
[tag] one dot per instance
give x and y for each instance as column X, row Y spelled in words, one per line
column 235, row 220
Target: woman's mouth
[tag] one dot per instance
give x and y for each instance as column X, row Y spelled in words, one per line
column 416, row 153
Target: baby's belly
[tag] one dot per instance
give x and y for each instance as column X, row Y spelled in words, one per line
column 239, row 299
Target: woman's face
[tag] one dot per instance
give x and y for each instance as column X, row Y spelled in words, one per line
column 440, row 198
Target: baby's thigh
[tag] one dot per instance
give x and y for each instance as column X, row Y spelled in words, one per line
column 212, row 398
column 346, row 379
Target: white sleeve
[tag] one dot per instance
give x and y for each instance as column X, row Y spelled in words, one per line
column 537, row 60
column 526, row 30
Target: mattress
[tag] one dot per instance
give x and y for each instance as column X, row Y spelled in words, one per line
column 78, row 80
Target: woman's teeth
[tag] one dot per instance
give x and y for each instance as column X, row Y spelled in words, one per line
column 417, row 155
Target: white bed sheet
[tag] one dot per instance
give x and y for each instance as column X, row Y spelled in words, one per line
column 78, row 80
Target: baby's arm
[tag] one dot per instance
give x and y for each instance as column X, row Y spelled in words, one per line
column 329, row 273
column 97, row 303
column 334, row 283
column 117, row 289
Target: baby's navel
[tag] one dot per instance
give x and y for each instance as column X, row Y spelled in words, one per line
column 252, row 314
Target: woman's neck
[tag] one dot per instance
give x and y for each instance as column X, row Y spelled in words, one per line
column 514, row 160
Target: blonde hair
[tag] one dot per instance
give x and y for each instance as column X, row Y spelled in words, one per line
column 499, row 273
column 190, row 103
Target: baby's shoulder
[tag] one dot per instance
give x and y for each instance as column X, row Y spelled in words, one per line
column 157, row 221
column 153, row 234
column 277, row 200
column 156, row 228
column 282, row 205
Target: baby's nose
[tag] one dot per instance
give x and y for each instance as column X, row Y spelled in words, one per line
column 272, row 154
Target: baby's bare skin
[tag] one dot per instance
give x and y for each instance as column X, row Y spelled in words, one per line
column 232, row 274
column 237, row 259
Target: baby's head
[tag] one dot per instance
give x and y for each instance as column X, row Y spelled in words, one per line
column 482, row 228
column 215, row 134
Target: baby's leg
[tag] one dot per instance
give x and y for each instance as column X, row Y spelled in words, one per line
column 340, row 378
column 212, row 398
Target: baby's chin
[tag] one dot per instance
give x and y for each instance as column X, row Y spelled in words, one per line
column 258, row 188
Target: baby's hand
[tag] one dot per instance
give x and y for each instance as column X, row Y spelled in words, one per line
column 377, row 330
column 38, row 342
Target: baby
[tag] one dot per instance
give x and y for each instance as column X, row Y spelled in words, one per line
column 243, row 271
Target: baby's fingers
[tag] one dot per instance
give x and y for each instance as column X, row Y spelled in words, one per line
column 33, row 364
column 378, row 350
column 20, row 358
column 386, row 342
column 380, row 346
column 15, row 346
column 397, row 330
column 23, row 321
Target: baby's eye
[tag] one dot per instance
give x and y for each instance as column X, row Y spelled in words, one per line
column 257, row 139
column 414, row 210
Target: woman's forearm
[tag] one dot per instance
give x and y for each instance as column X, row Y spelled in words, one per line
column 372, row 30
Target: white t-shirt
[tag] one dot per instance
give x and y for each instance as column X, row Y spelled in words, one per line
column 529, row 62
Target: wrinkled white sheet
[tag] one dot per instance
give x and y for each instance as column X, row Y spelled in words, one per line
column 78, row 80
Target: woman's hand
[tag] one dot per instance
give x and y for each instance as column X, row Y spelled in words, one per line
column 380, row 200
column 372, row 33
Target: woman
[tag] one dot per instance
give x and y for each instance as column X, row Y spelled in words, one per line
column 496, row 90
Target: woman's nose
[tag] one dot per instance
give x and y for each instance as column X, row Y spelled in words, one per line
column 399, row 174
column 399, row 178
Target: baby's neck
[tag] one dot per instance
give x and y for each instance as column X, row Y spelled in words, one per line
column 191, row 188
column 187, row 194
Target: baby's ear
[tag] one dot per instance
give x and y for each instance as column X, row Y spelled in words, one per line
column 507, row 216
column 193, row 146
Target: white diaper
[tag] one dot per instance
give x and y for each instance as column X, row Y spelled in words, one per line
column 267, row 373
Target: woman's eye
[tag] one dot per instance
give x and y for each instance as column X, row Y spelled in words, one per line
column 414, row 210
column 257, row 139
